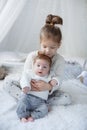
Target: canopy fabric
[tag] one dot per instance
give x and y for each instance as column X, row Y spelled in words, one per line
column 21, row 21
column 10, row 10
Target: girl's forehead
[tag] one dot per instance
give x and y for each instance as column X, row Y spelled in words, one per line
column 49, row 43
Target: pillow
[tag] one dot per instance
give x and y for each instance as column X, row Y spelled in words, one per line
column 12, row 56
column 72, row 70
column 83, row 77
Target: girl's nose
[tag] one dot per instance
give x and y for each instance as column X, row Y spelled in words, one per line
column 47, row 50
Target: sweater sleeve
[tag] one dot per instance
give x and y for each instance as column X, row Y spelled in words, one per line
column 58, row 68
column 29, row 61
column 25, row 79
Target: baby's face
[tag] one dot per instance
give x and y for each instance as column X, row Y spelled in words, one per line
column 41, row 67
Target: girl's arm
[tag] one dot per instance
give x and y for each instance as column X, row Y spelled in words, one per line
column 25, row 82
column 40, row 85
column 58, row 69
column 29, row 61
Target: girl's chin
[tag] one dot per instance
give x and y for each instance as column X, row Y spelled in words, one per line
column 49, row 56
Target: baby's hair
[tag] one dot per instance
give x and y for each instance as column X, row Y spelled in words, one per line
column 50, row 30
column 41, row 55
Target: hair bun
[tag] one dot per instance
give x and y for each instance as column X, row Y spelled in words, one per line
column 53, row 19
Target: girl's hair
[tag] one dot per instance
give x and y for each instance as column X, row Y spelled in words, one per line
column 50, row 31
column 41, row 55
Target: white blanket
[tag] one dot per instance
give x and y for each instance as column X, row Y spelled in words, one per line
column 71, row 117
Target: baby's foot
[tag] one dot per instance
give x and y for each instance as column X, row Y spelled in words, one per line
column 24, row 120
column 30, row 119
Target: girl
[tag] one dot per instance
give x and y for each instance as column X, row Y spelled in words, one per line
column 50, row 41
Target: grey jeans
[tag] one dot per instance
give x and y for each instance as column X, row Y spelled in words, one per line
column 29, row 105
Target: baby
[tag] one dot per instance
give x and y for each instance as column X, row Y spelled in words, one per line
column 32, row 104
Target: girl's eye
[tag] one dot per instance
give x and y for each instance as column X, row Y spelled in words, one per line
column 52, row 47
column 44, row 67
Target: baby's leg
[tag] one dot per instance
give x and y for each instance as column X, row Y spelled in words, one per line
column 23, row 108
column 40, row 112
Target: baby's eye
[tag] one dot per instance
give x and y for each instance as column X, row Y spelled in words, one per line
column 44, row 46
column 38, row 65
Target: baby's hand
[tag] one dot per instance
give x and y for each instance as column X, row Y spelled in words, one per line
column 53, row 82
column 25, row 90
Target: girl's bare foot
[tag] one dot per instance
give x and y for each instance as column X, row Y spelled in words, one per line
column 24, row 120
column 30, row 119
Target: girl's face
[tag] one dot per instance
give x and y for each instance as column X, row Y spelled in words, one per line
column 49, row 47
column 41, row 67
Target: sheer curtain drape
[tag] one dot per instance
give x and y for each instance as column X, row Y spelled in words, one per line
column 24, row 34
column 9, row 11
column 2, row 4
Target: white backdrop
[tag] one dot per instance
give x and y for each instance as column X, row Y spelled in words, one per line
column 24, row 34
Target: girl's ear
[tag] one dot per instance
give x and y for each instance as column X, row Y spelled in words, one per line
column 58, row 46
column 40, row 52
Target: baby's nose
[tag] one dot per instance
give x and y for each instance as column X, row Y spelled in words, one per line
column 40, row 67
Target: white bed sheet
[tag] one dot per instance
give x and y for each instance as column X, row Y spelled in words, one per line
column 71, row 117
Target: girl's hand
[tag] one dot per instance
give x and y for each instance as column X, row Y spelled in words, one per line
column 25, row 90
column 40, row 85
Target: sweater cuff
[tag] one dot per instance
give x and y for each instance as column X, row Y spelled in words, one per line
column 57, row 81
column 54, row 89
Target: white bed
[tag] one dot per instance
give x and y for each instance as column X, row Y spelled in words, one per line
column 70, row 117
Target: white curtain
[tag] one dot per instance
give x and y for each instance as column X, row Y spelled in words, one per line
column 2, row 4
column 24, row 34
column 9, row 11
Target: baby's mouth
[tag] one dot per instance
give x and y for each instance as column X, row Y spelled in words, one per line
column 40, row 72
